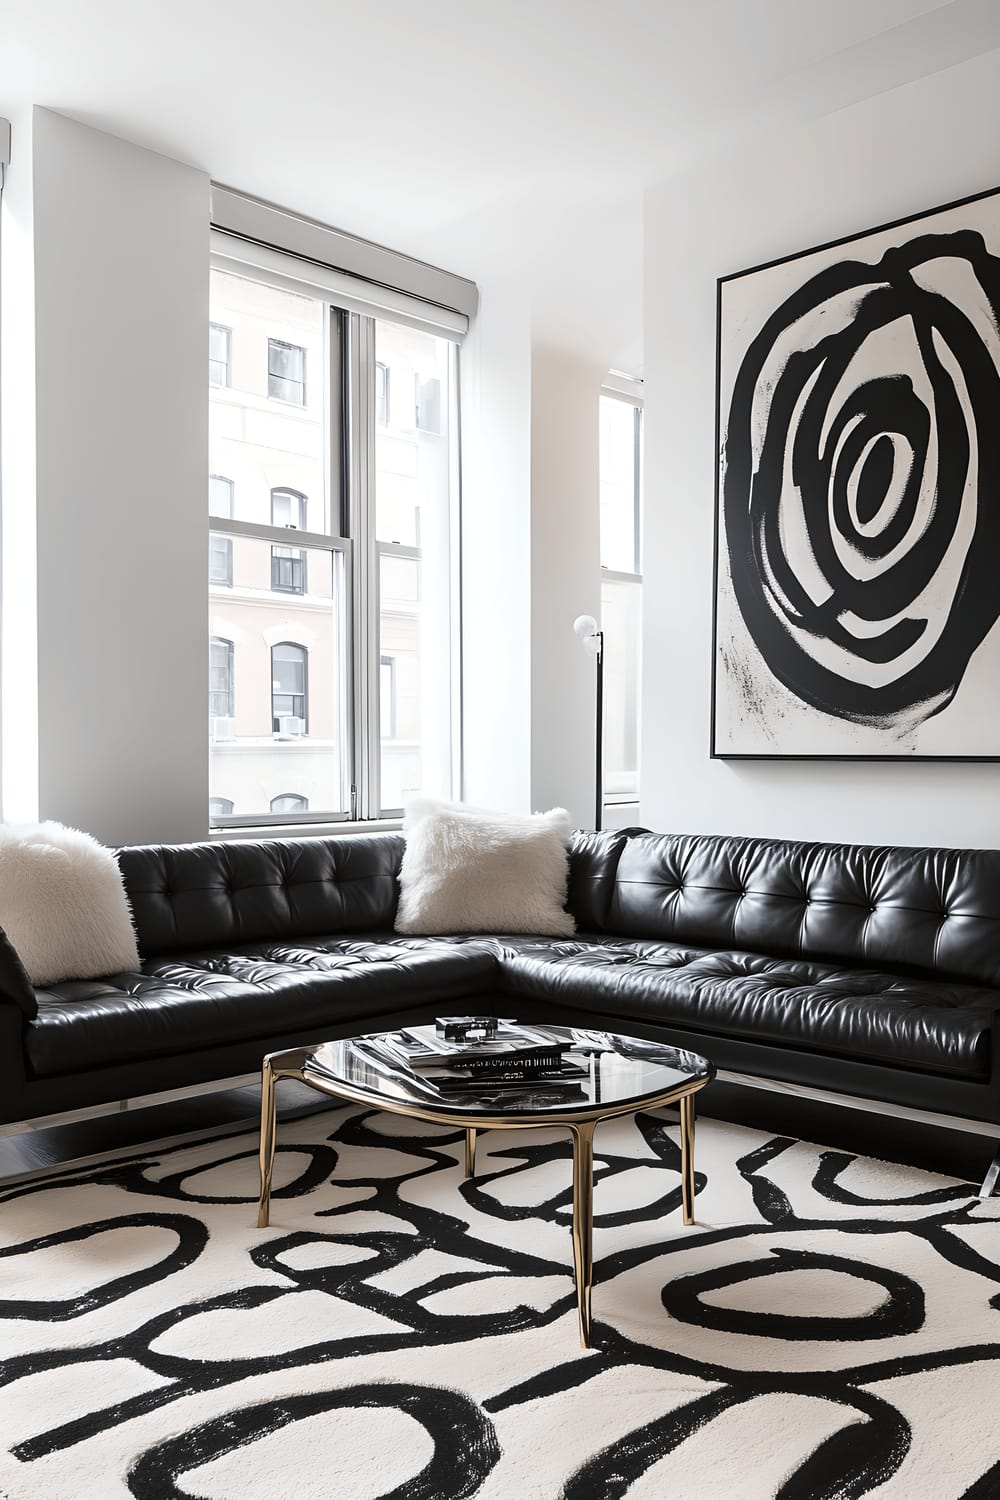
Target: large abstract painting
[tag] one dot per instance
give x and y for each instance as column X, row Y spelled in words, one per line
column 858, row 510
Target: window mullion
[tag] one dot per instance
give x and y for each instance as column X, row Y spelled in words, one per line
column 366, row 582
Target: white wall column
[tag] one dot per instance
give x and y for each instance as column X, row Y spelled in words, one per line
column 565, row 578
column 496, row 552
column 119, row 261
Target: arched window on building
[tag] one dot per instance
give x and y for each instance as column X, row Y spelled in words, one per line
column 289, row 802
column 289, row 689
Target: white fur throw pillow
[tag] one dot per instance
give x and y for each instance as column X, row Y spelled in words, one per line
column 469, row 870
column 63, row 904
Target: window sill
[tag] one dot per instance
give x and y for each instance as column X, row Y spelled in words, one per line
column 306, row 830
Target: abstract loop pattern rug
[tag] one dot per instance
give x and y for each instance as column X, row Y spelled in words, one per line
column 829, row 1328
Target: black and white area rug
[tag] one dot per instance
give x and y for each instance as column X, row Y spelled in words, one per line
column 829, row 1328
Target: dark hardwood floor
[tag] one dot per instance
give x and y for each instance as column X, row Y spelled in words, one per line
column 228, row 1110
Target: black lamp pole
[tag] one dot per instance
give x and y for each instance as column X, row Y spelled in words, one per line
column 599, row 748
column 591, row 637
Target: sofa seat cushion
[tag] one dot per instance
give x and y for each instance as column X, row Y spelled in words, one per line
column 185, row 1002
column 938, row 1026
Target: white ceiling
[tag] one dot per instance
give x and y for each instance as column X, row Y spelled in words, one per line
column 492, row 136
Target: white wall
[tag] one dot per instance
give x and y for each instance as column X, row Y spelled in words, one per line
column 565, row 578
column 896, row 154
column 120, row 268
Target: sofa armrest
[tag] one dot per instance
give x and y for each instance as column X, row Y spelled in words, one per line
column 12, row 1078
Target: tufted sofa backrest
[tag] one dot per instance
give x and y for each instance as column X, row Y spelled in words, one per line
column 214, row 895
column 933, row 911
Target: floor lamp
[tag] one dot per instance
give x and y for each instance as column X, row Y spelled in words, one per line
column 591, row 637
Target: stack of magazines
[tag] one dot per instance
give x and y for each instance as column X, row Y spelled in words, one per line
column 518, row 1054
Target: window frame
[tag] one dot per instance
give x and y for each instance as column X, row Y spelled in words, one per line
column 349, row 511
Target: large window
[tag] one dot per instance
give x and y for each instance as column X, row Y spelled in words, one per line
column 341, row 683
column 621, row 589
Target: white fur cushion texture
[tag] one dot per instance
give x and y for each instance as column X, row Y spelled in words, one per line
column 466, row 869
column 62, row 903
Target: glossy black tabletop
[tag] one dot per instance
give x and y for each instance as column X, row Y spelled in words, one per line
column 605, row 1072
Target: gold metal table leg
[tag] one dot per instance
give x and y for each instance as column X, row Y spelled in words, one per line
column 583, row 1222
column 687, row 1157
column 268, row 1131
column 470, row 1152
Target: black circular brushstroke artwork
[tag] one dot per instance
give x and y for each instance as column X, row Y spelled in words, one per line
column 861, row 480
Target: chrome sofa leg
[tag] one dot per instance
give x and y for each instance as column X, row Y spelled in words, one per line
column 989, row 1186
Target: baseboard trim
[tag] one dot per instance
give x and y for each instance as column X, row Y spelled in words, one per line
column 143, row 1101
column 877, row 1107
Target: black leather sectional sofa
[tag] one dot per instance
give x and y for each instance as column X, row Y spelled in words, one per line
column 872, row 972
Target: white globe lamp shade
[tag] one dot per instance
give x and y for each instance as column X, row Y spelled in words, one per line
column 588, row 630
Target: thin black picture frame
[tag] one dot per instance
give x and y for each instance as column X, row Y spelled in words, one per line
column 721, row 281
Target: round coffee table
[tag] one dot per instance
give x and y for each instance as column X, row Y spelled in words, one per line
column 618, row 1075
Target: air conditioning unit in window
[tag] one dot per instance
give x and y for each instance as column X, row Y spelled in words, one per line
column 223, row 728
column 290, row 727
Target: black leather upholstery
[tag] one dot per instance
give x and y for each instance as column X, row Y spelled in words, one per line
column 207, row 999
column 593, row 872
column 873, row 969
column 222, row 895
column 931, row 911
column 853, row 1012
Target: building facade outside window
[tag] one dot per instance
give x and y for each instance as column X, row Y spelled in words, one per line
column 286, row 372
column 342, row 678
column 220, row 548
column 427, row 404
column 387, row 696
column 220, row 679
column 289, row 688
column 288, row 564
column 620, row 416
column 382, row 395
column 220, row 341
column 220, row 807
column 289, row 802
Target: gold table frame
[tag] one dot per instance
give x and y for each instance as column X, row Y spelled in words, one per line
column 581, row 1123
